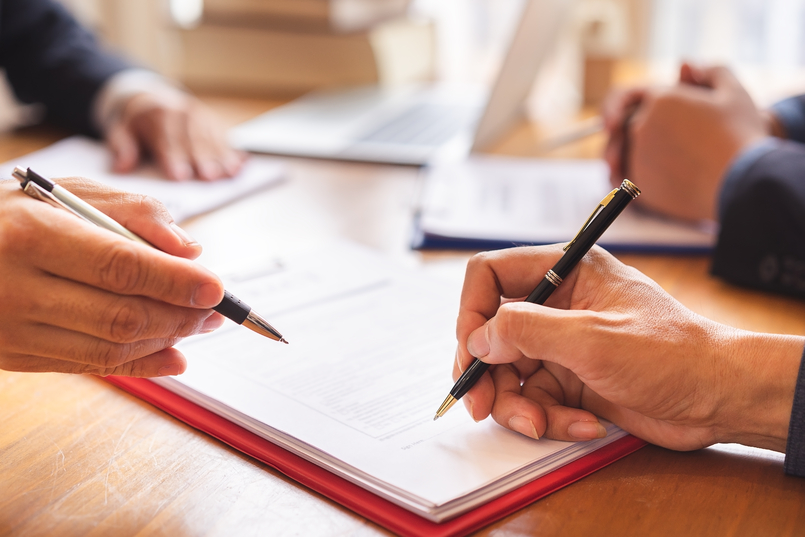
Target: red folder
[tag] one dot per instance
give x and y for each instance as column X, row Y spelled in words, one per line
column 359, row 500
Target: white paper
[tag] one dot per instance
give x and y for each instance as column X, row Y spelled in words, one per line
column 369, row 361
column 83, row 157
column 539, row 201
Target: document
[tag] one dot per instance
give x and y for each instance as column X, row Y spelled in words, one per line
column 369, row 361
column 488, row 202
column 84, row 157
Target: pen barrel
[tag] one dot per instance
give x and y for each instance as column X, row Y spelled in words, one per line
column 233, row 308
column 541, row 292
column 592, row 233
column 468, row 378
column 89, row 213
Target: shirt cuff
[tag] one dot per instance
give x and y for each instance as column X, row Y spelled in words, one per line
column 121, row 87
column 740, row 165
column 795, row 447
column 791, row 115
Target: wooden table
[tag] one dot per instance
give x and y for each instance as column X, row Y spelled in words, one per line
column 79, row 457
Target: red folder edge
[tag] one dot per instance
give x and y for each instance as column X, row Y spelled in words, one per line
column 355, row 498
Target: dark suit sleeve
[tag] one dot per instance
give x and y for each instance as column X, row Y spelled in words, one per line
column 791, row 114
column 795, row 448
column 50, row 59
column 761, row 243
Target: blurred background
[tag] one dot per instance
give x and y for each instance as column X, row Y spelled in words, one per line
column 283, row 48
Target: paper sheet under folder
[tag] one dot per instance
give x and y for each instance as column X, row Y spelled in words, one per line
column 488, row 202
column 347, row 408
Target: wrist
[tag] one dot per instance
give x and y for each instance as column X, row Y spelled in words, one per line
column 758, row 380
column 119, row 90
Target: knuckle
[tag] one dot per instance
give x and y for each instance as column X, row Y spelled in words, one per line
column 479, row 260
column 514, row 323
column 190, row 324
column 120, row 269
column 133, row 368
column 146, row 205
column 18, row 235
column 129, row 322
column 106, row 356
column 507, row 322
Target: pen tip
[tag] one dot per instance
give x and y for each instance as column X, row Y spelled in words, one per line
column 282, row 339
column 436, row 417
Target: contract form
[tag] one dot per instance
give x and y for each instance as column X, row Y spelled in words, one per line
column 490, row 201
column 373, row 347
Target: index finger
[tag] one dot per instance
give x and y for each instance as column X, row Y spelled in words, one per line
column 60, row 244
column 510, row 273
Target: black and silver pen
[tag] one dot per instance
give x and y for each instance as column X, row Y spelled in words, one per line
column 604, row 214
column 46, row 190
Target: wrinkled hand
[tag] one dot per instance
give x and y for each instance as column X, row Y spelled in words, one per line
column 682, row 140
column 178, row 132
column 610, row 342
column 76, row 298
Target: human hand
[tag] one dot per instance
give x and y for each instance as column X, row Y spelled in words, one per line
column 611, row 343
column 178, row 131
column 682, row 139
column 75, row 298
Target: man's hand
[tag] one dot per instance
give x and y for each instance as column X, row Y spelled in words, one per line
column 682, row 140
column 76, row 298
column 611, row 343
column 178, row 132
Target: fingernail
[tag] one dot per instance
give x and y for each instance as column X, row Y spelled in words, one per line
column 586, row 430
column 169, row 370
column 186, row 239
column 212, row 323
column 209, row 170
column 478, row 343
column 524, row 426
column 207, row 295
column 181, row 171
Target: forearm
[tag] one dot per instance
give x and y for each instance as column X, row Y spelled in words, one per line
column 49, row 58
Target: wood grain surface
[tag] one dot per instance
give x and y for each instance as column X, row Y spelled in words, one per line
column 80, row 457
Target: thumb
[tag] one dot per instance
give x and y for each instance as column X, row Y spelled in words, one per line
column 716, row 78
column 521, row 329
column 690, row 74
column 124, row 147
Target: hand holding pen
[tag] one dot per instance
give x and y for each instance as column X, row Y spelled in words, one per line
column 598, row 222
column 679, row 142
column 78, row 299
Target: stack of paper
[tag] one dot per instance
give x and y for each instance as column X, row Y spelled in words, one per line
column 495, row 202
column 355, row 391
column 83, row 157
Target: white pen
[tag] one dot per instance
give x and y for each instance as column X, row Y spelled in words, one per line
column 46, row 190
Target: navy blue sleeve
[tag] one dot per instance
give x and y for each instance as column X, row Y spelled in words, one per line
column 795, row 448
column 791, row 114
column 50, row 59
column 761, row 242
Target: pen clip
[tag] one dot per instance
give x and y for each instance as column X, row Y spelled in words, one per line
column 39, row 193
column 603, row 203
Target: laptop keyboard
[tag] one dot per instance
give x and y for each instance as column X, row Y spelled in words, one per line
column 423, row 124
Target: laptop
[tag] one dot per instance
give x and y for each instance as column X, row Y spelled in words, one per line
column 414, row 124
